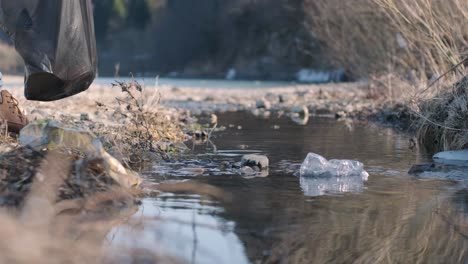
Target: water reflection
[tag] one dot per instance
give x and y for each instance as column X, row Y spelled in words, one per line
column 404, row 222
column 316, row 186
column 390, row 218
column 184, row 226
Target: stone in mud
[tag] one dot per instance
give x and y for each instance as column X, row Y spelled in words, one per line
column 285, row 98
column 263, row 104
column 253, row 160
column 52, row 135
column 84, row 117
column 340, row 114
column 271, row 97
column 457, row 158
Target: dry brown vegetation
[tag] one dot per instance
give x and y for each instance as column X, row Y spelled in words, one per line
column 404, row 47
column 58, row 206
column 418, row 39
column 141, row 125
column 444, row 119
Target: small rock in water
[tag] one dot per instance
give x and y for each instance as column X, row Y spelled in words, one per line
column 225, row 165
column 237, row 165
column 253, row 160
column 340, row 114
column 315, row 166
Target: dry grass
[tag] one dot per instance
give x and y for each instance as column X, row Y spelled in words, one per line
column 390, row 89
column 354, row 34
column 404, row 46
column 143, row 125
column 444, row 119
column 60, row 206
column 435, row 32
column 416, row 39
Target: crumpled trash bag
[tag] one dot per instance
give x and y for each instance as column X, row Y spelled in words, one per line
column 57, row 42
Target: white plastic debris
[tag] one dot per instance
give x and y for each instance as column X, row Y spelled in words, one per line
column 319, row 76
column 317, row 166
column 231, row 74
column 320, row 176
column 456, row 158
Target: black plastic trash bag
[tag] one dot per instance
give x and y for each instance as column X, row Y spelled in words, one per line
column 57, row 42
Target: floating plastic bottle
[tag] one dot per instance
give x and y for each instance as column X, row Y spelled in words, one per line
column 317, row 166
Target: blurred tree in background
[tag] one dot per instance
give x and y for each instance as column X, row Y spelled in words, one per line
column 138, row 14
column 114, row 15
column 204, row 37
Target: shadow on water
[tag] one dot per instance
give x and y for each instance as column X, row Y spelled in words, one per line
column 391, row 217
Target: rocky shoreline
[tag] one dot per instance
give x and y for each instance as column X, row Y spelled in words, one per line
column 73, row 164
column 169, row 114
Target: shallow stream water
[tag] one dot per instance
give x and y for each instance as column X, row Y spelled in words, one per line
column 281, row 218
